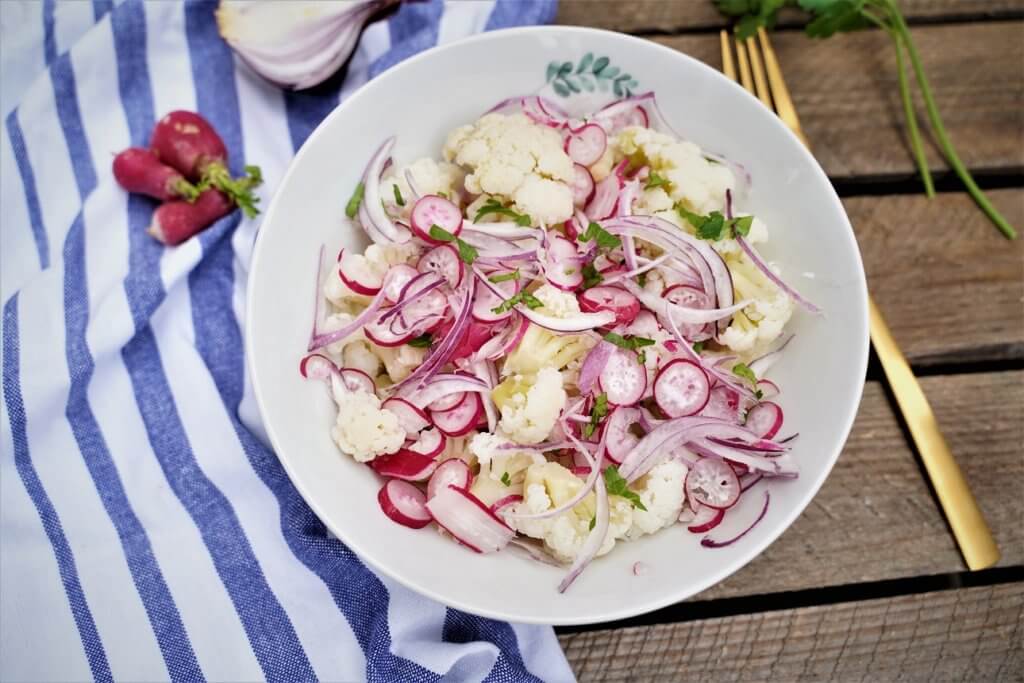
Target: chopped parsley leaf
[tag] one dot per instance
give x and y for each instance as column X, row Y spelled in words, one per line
column 591, row 276
column 492, row 205
column 398, row 196
column 617, row 486
column 604, row 238
column 741, row 370
column 597, row 414
column 421, row 342
column 655, row 180
column 352, row 208
column 505, row 479
column 467, row 252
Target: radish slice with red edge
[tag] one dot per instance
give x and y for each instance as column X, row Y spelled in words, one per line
column 623, row 379
column 486, row 300
column 768, row 388
column 582, row 188
column 713, row 483
column 709, row 543
column 396, row 279
column 412, row 419
column 723, row 404
column 605, row 199
column 404, row 464
column 502, row 503
column 586, row 145
column 404, row 503
column 563, row 268
column 618, row 439
column 447, row 402
column 764, row 419
column 432, row 210
column 705, row 519
column 690, row 297
column 357, row 380
column 452, row 472
column 382, row 333
column 468, row 520
column 430, row 443
column 444, row 261
column 317, row 366
column 357, row 274
column 624, row 305
column 681, row 388
column 461, row 419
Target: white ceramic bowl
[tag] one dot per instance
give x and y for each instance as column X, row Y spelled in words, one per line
column 421, row 100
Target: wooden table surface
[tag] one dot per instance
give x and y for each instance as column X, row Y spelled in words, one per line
column 868, row 583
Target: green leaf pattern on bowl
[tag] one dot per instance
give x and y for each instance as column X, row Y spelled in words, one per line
column 590, row 74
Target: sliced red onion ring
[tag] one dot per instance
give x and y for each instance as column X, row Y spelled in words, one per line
column 384, row 231
column 594, row 540
column 664, row 308
column 759, row 366
column 321, row 340
column 709, row 543
column 444, row 385
column 576, row 323
column 593, row 365
column 763, row 266
column 411, row 182
column 588, row 485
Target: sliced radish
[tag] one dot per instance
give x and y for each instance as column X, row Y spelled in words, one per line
column 713, row 483
column 644, row 325
column 461, row 514
column 485, row 300
column 502, row 503
column 586, row 145
column 624, row 305
column 764, row 419
column 621, row 117
column 618, row 439
column 317, row 366
column 690, row 297
column 562, row 267
column 404, row 464
column 768, row 388
column 404, row 503
column 430, row 443
column 357, row 273
column 412, row 419
column 582, row 188
column 681, row 388
column 448, row 402
column 605, row 199
column 357, row 380
column 382, row 333
column 444, row 261
column 706, row 519
column 396, row 280
column 723, row 403
column 623, row 379
column 453, row 472
column 433, row 210
column 461, row 419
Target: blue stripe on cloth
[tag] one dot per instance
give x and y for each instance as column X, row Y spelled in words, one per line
column 359, row 594
column 94, row 652
column 460, row 627
column 507, row 13
column 307, row 108
column 416, row 25
column 49, row 35
column 100, row 8
column 28, row 183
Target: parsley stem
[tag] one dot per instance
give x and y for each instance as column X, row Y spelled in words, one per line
column 911, row 116
column 976, row 193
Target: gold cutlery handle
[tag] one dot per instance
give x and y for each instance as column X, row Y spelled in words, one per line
column 969, row 527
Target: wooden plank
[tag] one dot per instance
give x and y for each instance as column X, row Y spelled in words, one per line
column 948, row 283
column 845, row 90
column 875, row 518
column 669, row 16
column 965, row 634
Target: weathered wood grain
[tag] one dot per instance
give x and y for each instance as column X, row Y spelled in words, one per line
column 950, row 286
column 875, row 518
column 965, row 634
column 668, row 16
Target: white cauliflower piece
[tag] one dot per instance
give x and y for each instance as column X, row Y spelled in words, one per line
column 528, row 417
column 339, row 294
column 691, row 177
column 557, row 303
column 548, row 485
column 760, row 323
column 652, row 201
column 360, row 356
column 499, row 465
column 335, row 322
column 363, row 429
column 429, row 176
column 540, row 348
column 380, row 257
column 513, row 157
column 400, row 361
column 661, row 492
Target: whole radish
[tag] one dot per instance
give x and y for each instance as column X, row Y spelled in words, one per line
column 187, row 141
column 138, row 170
column 174, row 222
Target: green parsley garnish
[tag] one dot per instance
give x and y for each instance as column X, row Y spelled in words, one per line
column 492, row 205
column 604, row 238
column 698, row 346
column 597, row 413
column 630, row 343
column 504, row 277
column 715, row 226
column 352, row 208
column 523, row 297
column 593, row 522
column 505, row 479
column 443, row 194
column 421, row 342
column 741, row 370
column 655, row 180
column 591, row 276
column 617, row 486
column 467, row 252
column 398, row 196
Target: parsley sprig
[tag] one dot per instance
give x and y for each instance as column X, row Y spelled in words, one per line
column 591, row 276
column 467, row 252
column 492, row 205
column 743, row 371
column 654, row 180
column 352, row 208
column 504, row 277
column 523, row 297
column 597, row 413
column 715, row 226
column 399, row 199
column 505, row 479
column 617, row 486
column 604, row 238
column 421, row 342
column 630, row 343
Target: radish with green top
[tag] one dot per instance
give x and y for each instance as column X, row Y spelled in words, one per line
column 139, row 171
column 174, row 222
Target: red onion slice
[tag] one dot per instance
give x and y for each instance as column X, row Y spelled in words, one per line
column 594, row 540
column 384, row 231
column 709, row 543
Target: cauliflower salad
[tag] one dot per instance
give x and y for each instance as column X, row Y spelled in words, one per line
column 557, row 340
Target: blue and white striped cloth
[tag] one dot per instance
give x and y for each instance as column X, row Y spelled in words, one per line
column 148, row 532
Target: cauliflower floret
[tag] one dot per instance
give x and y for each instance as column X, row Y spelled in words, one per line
column 335, row 322
column 661, row 491
column 760, row 323
column 542, row 348
column 690, row 175
column 360, row 356
column 429, row 176
column 529, row 416
column 339, row 294
column 380, row 257
column 498, row 465
column 548, row 485
column 400, row 361
column 513, row 157
column 363, row 429
column 652, row 201
column 557, row 303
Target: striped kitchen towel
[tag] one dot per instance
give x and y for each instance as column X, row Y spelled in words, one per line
column 148, row 532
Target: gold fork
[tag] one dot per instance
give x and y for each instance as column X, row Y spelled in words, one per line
column 760, row 74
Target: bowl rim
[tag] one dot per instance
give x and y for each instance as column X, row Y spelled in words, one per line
column 670, row 597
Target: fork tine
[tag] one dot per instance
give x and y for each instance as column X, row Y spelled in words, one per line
column 780, row 93
column 761, row 85
column 741, row 57
column 728, row 66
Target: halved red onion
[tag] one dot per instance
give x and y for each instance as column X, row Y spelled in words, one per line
column 461, row 514
column 404, row 503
